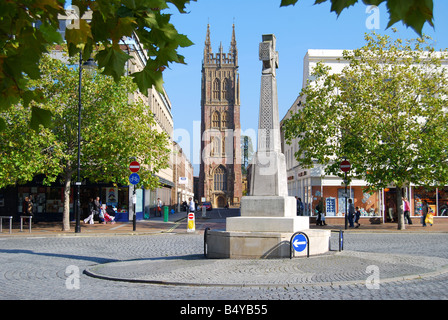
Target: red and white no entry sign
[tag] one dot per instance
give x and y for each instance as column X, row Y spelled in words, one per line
column 134, row 166
column 345, row 166
column 190, row 223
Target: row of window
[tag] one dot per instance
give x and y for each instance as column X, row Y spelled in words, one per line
column 220, row 119
column 222, row 90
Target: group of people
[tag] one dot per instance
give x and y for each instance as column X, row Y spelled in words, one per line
column 353, row 214
column 104, row 214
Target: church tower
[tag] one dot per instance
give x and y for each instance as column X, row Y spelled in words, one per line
column 220, row 169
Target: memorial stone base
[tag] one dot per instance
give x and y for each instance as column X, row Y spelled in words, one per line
column 264, row 230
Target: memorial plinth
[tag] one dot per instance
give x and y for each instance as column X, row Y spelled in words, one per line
column 268, row 215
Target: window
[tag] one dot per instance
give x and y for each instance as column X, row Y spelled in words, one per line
column 224, row 120
column 227, row 89
column 215, row 119
column 220, row 179
column 215, row 147
column 216, row 89
column 223, row 148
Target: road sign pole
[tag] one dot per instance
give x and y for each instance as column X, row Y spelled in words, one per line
column 346, row 213
column 134, row 178
column 134, row 215
column 345, row 166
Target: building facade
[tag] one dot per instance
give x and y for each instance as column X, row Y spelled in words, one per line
column 183, row 178
column 313, row 185
column 220, row 168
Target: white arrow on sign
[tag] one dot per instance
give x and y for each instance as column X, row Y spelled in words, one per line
column 296, row 243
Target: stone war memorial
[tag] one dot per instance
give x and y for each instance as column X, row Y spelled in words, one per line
column 268, row 215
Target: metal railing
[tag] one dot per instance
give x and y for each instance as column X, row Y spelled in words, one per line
column 340, row 238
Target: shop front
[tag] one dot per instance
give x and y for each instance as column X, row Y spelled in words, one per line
column 48, row 201
column 333, row 198
column 313, row 187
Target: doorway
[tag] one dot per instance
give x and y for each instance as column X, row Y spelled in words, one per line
column 221, row 201
column 390, row 204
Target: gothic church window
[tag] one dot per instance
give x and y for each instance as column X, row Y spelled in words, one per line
column 227, row 89
column 220, row 179
column 215, row 146
column 215, row 119
column 216, row 89
column 225, row 120
column 223, row 146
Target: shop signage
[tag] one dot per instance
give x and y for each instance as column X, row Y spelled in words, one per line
column 134, row 166
column 301, row 174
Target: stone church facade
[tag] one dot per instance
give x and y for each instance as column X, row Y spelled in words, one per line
column 220, row 168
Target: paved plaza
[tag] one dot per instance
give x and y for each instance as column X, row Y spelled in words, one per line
column 171, row 266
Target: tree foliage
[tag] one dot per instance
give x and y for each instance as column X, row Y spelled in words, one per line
column 387, row 112
column 413, row 13
column 23, row 44
column 114, row 128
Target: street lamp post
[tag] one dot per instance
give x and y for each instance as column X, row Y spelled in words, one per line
column 88, row 65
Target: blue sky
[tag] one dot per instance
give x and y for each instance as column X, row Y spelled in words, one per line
column 297, row 29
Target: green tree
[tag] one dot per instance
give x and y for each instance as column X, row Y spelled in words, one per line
column 386, row 112
column 23, row 44
column 116, row 125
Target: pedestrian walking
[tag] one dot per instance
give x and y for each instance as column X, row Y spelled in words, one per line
column 97, row 208
column 318, row 215
column 106, row 216
column 159, row 206
column 299, row 207
column 91, row 212
column 191, row 206
column 425, row 210
column 429, row 217
column 357, row 215
column 406, row 209
column 27, row 207
column 351, row 213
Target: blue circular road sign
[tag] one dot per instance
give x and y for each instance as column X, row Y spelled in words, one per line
column 299, row 242
column 134, row 178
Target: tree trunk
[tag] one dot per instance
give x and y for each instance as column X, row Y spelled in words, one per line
column 66, row 212
column 400, row 213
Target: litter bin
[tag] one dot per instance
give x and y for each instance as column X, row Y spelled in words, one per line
column 165, row 214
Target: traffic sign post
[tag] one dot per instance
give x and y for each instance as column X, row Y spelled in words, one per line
column 190, row 223
column 134, row 166
column 299, row 241
column 134, row 179
column 345, row 167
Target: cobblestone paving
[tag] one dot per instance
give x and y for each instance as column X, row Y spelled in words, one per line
column 48, row 268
